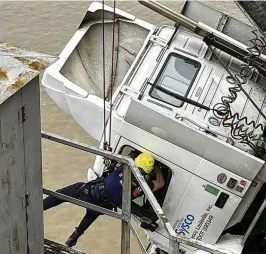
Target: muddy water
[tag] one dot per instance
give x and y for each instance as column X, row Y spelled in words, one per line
column 47, row 27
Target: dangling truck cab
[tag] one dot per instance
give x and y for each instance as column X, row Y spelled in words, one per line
column 167, row 81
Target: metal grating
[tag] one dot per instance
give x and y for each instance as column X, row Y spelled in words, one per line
column 51, row 247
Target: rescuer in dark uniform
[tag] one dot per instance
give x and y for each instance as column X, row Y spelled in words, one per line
column 107, row 193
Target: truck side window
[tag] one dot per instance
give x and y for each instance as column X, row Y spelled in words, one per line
column 176, row 77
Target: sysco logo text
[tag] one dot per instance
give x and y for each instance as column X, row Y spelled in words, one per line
column 184, row 228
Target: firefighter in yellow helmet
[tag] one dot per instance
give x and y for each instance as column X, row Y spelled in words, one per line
column 107, row 192
column 145, row 161
column 152, row 173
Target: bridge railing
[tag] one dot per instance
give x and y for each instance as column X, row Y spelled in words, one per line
column 125, row 214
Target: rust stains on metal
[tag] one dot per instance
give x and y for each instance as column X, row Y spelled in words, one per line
column 22, row 59
column 19, row 66
column 33, row 64
column 38, row 65
column 3, row 74
column 18, row 84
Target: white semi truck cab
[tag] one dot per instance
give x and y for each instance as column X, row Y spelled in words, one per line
column 174, row 97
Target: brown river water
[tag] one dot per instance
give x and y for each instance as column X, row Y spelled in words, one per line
column 46, row 26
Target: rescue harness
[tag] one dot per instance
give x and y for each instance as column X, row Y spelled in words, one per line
column 103, row 193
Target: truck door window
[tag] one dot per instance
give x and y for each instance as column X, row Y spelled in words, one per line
column 176, row 77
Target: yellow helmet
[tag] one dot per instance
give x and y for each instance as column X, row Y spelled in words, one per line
column 145, row 161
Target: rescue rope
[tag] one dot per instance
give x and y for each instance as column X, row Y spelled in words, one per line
column 112, row 76
column 104, row 97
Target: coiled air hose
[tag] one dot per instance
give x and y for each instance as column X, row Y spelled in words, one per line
column 241, row 129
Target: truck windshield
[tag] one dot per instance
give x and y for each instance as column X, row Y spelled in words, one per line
column 176, row 77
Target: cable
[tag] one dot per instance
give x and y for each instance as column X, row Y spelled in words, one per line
column 104, row 106
column 240, row 126
column 239, row 80
column 112, row 78
column 258, row 46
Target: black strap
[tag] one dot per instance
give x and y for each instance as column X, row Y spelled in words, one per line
column 98, row 180
column 103, row 192
column 91, row 185
column 106, row 202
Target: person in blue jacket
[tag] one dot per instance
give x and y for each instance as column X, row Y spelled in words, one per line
column 107, row 193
